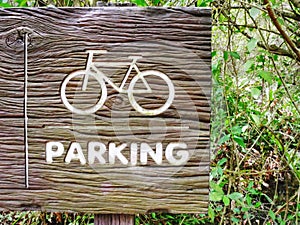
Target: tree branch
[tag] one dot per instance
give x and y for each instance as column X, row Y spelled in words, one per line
column 288, row 14
column 249, row 26
column 296, row 3
column 281, row 31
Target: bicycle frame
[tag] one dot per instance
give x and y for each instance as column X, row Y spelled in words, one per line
column 91, row 69
column 90, row 65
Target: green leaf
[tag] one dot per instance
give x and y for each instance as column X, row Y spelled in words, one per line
column 245, row 209
column 239, row 141
column 226, row 200
column 254, row 12
column 140, row 2
column 153, row 215
column 203, row 3
column 272, row 215
column 216, row 196
column 271, row 95
column 155, row 2
column 248, row 200
column 255, row 92
column 21, row 3
column 235, row 196
column 211, row 214
column 249, row 65
column 222, row 161
column 256, row 119
column 216, row 187
column 267, row 197
column 214, row 172
column 224, row 139
column 250, row 185
column 220, row 170
column 235, row 220
column 235, row 55
column 257, row 204
column 225, row 55
column 213, row 53
column 267, row 76
column 222, row 19
column 216, row 193
column 236, row 130
column 281, row 21
column 252, row 44
column 219, row 208
column 216, row 70
column 236, row 210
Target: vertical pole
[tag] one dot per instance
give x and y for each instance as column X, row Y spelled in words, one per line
column 113, row 219
column 25, row 108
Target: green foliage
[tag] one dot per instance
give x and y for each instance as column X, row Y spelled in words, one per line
column 260, row 135
column 141, row 2
column 4, row 4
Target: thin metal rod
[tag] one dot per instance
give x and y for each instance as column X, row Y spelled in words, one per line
column 25, row 110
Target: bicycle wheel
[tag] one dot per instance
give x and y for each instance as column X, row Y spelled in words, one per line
column 81, row 101
column 144, row 101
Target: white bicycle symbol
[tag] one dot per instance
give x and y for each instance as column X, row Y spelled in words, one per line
column 102, row 79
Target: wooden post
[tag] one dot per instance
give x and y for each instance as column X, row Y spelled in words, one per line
column 113, row 219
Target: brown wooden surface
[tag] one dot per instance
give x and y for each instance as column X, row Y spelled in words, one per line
column 174, row 41
column 11, row 115
column 113, row 219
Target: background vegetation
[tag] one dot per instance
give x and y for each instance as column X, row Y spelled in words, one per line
column 255, row 168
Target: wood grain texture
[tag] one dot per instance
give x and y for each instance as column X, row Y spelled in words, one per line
column 113, row 219
column 11, row 115
column 174, row 41
column 11, row 153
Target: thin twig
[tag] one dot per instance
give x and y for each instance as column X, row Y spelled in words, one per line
column 250, row 26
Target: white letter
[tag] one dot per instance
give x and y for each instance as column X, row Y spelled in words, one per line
column 184, row 155
column 72, row 155
column 116, row 152
column 50, row 153
column 133, row 153
column 146, row 149
column 93, row 153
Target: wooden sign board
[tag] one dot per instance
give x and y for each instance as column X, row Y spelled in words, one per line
column 105, row 110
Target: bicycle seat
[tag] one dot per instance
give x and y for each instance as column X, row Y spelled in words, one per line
column 135, row 57
column 96, row 51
